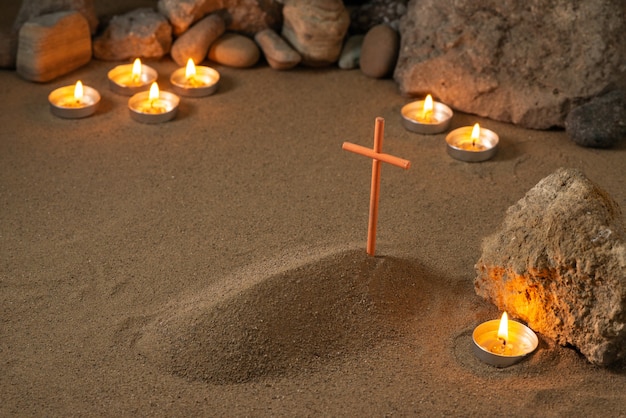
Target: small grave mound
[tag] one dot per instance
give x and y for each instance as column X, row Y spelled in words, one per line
column 290, row 322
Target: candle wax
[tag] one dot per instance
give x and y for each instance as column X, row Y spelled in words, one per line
column 193, row 81
column 426, row 117
column 495, row 345
column 71, row 102
column 130, row 80
column 470, row 145
column 153, row 107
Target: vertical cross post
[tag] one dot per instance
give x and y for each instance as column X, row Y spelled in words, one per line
column 377, row 157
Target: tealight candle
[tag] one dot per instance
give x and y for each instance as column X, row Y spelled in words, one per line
column 503, row 342
column 194, row 81
column 153, row 106
column 72, row 102
column 426, row 116
column 129, row 79
column 472, row 144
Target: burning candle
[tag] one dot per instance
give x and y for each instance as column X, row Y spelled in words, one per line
column 153, row 106
column 503, row 342
column 194, row 81
column 72, row 102
column 472, row 144
column 129, row 79
column 426, row 116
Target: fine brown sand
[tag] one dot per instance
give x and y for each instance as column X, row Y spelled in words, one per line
column 215, row 264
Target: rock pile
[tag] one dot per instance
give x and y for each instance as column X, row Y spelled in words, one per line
column 558, row 262
column 230, row 32
column 480, row 58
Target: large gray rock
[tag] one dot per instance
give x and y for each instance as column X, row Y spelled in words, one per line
column 511, row 61
column 140, row 33
column 316, row 29
column 247, row 16
column 558, row 262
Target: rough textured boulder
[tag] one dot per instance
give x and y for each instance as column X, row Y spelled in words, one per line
column 53, row 45
column 316, row 29
column 559, row 263
column 247, row 16
column 139, row 33
column 511, row 61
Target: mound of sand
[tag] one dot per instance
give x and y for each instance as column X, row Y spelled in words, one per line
column 290, row 321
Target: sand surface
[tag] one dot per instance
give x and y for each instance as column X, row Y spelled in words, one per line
column 215, row 264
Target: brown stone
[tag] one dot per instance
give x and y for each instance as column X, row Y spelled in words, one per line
column 196, row 41
column 379, row 51
column 316, row 29
column 139, row 33
column 234, row 50
column 53, row 45
column 278, row 53
column 558, row 262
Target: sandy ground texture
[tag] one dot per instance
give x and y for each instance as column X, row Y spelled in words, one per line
column 215, row 264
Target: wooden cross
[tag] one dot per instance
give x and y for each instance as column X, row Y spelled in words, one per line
column 377, row 157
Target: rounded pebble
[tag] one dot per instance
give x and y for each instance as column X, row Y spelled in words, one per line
column 379, row 51
column 234, row 50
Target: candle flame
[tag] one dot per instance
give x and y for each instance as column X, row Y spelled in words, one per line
column 154, row 91
column 503, row 330
column 190, row 70
column 427, row 110
column 475, row 133
column 136, row 69
column 428, row 104
column 78, row 90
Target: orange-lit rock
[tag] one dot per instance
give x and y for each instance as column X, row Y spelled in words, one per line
column 559, row 263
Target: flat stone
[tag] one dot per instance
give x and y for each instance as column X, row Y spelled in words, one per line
column 53, row 45
column 234, row 50
column 316, row 29
column 351, row 53
column 278, row 53
column 34, row 8
column 140, row 33
column 601, row 123
column 245, row 16
column 196, row 41
column 487, row 58
column 379, row 51
column 558, row 262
